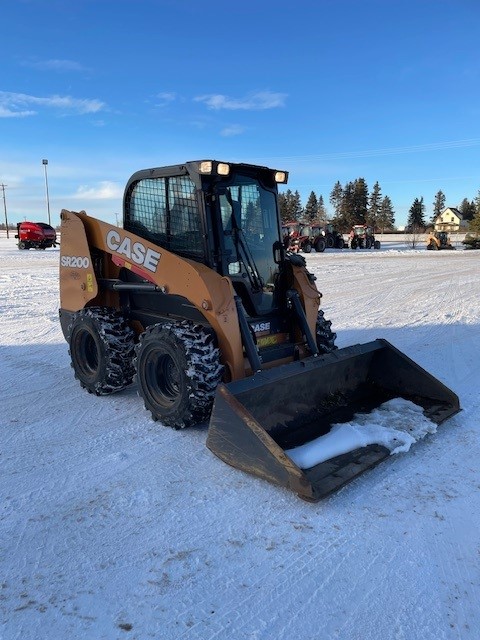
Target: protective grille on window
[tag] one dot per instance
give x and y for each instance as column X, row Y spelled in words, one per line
column 172, row 223
column 185, row 232
column 147, row 212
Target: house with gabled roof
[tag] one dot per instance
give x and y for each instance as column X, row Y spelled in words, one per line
column 450, row 219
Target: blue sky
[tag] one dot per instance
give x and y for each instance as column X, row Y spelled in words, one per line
column 328, row 90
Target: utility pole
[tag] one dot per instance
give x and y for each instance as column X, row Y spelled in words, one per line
column 45, row 162
column 2, row 187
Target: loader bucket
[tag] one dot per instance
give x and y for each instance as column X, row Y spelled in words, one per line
column 256, row 420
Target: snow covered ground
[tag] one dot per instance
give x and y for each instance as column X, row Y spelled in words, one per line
column 114, row 527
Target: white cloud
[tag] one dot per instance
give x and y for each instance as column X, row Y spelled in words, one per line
column 55, row 65
column 7, row 112
column 103, row 191
column 252, row 102
column 232, row 130
column 19, row 105
column 165, row 98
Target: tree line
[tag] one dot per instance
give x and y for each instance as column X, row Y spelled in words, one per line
column 353, row 203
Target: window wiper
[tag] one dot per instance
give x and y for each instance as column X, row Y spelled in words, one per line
column 241, row 245
column 256, row 281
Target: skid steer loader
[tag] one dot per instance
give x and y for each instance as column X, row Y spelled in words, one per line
column 197, row 300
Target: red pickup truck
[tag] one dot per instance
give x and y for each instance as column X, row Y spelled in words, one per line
column 35, row 235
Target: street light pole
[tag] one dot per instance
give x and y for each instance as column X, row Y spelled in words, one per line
column 45, row 162
column 5, row 206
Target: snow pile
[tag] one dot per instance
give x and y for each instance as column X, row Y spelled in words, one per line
column 396, row 425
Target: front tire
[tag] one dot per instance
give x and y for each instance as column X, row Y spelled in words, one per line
column 101, row 350
column 177, row 372
column 307, row 247
column 320, row 245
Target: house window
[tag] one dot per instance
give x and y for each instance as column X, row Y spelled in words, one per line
column 453, row 219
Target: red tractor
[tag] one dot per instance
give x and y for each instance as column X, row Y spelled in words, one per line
column 327, row 237
column 35, row 235
column 362, row 237
column 297, row 237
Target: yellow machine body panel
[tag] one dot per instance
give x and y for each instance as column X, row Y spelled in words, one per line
column 211, row 293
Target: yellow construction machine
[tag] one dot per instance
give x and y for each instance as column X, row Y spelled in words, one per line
column 197, row 301
column 437, row 240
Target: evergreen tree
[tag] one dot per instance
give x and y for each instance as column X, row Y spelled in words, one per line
column 297, row 206
column 344, row 218
column 282, row 207
column 416, row 218
column 322, row 210
column 336, row 198
column 290, row 206
column 474, row 224
column 360, row 201
column 467, row 209
column 438, row 205
column 311, row 208
column 386, row 216
column 374, row 205
column 477, row 203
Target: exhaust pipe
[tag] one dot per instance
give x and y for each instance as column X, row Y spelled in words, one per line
column 256, row 420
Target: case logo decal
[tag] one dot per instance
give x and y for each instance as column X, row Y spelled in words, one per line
column 137, row 252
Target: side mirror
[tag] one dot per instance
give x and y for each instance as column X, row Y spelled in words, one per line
column 278, row 252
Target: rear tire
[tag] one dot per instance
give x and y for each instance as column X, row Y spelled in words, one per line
column 324, row 335
column 102, row 348
column 330, row 242
column 177, row 371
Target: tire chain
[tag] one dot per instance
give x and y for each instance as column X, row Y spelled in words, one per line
column 205, row 371
column 324, row 334
column 119, row 340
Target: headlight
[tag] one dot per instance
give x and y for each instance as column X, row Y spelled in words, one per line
column 223, row 169
column 205, row 166
column 208, row 167
column 281, row 176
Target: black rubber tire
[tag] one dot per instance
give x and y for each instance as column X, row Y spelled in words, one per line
column 102, row 350
column 330, row 242
column 22, row 245
column 307, row 247
column 376, row 244
column 320, row 245
column 353, row 243
column 324, row 335
column 339, row 243
column 177, row 372
column 368, row 243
